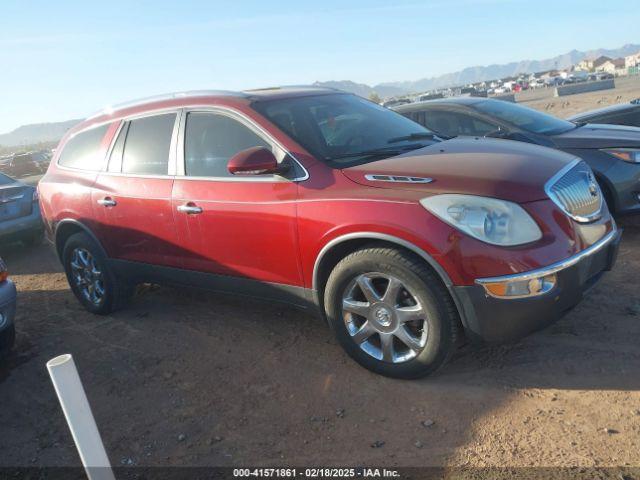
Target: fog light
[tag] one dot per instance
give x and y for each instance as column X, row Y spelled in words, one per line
column 521, row 288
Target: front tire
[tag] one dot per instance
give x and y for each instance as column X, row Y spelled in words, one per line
column 90, row 277
column 391, row 313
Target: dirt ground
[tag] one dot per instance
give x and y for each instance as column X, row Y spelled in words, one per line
column 183, row 378
column 627, row 89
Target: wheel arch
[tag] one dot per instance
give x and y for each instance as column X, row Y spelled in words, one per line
column 608, row 190
column 341, row 246
column 67, row 227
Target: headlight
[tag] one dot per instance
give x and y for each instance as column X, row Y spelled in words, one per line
column 488, row 219
column 631, row 155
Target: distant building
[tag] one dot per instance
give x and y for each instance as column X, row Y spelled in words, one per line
column 591, row 64
column 614, row 66
column 632, row 60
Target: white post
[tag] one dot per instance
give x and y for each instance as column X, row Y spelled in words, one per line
column 77, row 411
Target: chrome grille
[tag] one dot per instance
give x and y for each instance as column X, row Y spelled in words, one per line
column 575, row 190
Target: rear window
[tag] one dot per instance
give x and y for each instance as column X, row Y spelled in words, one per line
column 83, row 150
column 524, row 117
column 146, row 148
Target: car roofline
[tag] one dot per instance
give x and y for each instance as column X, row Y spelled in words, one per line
column 255, row 94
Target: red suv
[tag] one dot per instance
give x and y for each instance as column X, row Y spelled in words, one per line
column 323, row 199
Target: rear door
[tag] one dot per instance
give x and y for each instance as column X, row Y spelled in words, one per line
column 244, row 226
column 132, row 199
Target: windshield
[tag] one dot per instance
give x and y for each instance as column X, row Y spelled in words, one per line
column 343, row 129
column 524, row 117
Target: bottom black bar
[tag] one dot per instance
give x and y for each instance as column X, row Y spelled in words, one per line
column 402, row 473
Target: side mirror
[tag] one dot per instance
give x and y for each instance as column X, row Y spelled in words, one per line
column 255, row 161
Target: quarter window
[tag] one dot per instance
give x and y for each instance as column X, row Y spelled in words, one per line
column 146, row 148
column 84, row 150
column 211, row 140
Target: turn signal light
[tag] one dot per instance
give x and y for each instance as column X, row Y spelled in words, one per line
column 521, row 288
column 3, row 275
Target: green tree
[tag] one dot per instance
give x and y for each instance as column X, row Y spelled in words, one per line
column 374, row 97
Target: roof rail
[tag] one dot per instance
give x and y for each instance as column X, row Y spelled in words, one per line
column 166, row 96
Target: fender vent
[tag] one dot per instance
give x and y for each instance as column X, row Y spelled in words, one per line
column 397, row 179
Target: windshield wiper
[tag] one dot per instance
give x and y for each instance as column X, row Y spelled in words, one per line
column 378, row 152
column 415, row 136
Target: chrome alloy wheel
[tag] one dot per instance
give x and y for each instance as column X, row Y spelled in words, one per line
column 384, row 318
column 87, row 275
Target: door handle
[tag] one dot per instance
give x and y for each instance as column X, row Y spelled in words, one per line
column 190, row 209
column 107, row 202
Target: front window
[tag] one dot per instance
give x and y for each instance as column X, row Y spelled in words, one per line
column 523, row 117
column 211, row 140
column 343, row 129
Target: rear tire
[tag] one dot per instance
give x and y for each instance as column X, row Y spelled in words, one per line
column 92, row 280
column 406, row 326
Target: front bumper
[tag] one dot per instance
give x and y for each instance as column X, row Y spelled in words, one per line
column 506, row 319
column 16, row 228
column 7, row 314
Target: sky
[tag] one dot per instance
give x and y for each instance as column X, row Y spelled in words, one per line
column 67, row 59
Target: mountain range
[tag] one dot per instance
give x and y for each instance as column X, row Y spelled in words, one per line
column 36, row 133
column 478, row 73
column 52, row 132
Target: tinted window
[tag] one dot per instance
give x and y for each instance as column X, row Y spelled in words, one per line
column 342, row 128
column 631, row 118
column 523, row 117
column 146, row 149
column 211, row 140
column 83, row 150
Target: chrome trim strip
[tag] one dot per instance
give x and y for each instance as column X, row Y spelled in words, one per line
column 555, row 267
column 396, row 178
column 181, row 112
column 122, row 120
column 551, row 182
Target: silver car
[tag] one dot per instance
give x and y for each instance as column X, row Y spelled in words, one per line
column 19, row 212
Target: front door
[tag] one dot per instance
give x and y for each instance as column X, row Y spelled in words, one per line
column 243, row 227
column 132, row 199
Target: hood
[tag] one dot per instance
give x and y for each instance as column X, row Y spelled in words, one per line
column 595, row 135
column 504, row 169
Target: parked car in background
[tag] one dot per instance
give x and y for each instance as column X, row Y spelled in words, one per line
column 19, row 212
column 613, row 152
column 24, row 164
column 620, row 114
column 326, row 200
column 7, row 310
